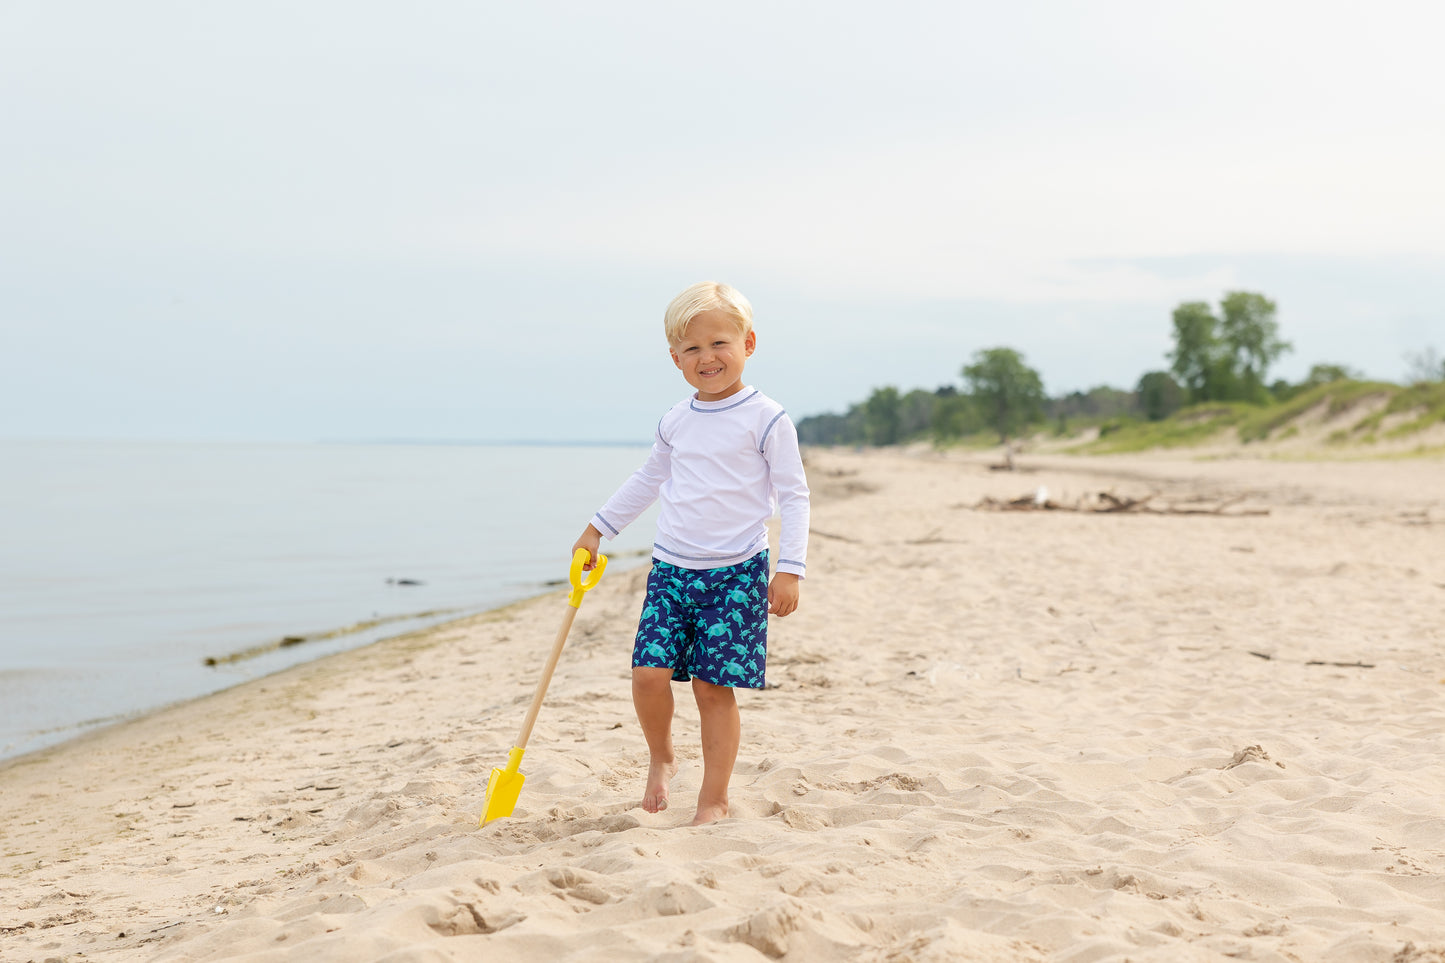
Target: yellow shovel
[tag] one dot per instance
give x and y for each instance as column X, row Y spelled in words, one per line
column 506, row 784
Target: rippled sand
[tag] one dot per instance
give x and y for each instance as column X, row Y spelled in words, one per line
column 998, row 736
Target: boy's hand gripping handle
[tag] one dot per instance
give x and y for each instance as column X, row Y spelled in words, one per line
column 581, row 586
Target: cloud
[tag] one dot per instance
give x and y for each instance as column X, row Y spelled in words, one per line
column 327, row 202
column 1029, row 218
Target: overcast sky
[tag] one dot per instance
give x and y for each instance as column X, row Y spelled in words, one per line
column 463, row 220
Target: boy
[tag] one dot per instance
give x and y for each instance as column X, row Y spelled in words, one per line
column 721, row 459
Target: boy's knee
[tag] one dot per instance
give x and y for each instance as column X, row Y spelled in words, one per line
column 706, row 692
column 648, row 679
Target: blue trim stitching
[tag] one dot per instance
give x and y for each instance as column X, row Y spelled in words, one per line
column 692, row 403
column 607, row 524
column 697, row 558
column 768, row 430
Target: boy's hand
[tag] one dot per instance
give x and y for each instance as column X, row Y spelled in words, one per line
column 592, row 541
column 783, row 594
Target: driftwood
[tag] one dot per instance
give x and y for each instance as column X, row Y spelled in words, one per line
column 1008, row 460
column 1107, row 503
column 1339, row 665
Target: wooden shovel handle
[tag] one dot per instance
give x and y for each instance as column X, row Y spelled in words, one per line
column 546, row 677
column 580, row 587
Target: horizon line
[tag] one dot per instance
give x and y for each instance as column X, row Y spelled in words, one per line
column 443, row 442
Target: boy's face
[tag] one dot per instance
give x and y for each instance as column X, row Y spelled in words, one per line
column 712, row 353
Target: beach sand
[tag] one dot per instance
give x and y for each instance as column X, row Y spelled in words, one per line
column 988, row 735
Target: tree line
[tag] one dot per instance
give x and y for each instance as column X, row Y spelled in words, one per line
column 1217, row 356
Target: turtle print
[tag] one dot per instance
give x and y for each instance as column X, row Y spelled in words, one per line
column 711, row 624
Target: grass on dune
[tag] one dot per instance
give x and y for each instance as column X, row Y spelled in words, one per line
column 1425, row 401
column 1229, row 421
column 1358, row 410
column 1428, row 399
column 1338, row 396
column 1190, row 426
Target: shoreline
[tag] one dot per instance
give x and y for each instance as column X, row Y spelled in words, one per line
column 1035, row 736
column 117, row 591
column 295, row 644
column 98, row 728
column 631, row 559
column 79, row 730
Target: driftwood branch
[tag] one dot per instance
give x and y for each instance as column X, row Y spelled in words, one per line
column 1008, row 460
column 1344, row 665
column 1113, row 503
column 1339, row 665
column 1108, row 503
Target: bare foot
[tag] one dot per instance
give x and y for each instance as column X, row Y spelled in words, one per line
column 659, row 774
column 710, row 813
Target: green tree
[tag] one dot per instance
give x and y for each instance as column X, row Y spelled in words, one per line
column 915, row 413
column 1250, row 339
column 882, row 417
column 1096, row 403
column 1159, row 395
column 833, row 429
column 1323, row 374
column 1196, row 357
column 1008, row 393
column 1320, row 374
column 954, row 415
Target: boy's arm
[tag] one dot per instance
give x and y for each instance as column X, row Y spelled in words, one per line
column 629, row 501
column 790, row 487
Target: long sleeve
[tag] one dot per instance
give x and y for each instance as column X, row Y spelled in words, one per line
column 637, row 493
column 790, row 488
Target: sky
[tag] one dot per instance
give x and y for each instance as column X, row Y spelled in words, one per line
column 270, row 221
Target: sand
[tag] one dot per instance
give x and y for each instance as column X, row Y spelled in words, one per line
column 996, row 736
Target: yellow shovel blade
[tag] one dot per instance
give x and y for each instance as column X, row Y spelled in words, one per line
column 503, row 788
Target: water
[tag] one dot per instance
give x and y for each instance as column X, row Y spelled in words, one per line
column 125, row 566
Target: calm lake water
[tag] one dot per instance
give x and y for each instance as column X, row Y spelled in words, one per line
column 125, row 566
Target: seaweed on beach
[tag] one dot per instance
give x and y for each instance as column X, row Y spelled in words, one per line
column 287, row 641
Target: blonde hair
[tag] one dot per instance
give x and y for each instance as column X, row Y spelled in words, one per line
column 705, row 296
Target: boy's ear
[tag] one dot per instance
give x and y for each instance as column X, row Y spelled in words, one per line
column 750, row 344
column 675, row 359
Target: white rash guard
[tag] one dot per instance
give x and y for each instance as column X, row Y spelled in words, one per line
column 720, row 468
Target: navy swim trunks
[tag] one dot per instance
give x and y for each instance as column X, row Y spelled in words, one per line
column 711, row 624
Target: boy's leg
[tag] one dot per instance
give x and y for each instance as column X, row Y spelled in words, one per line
column 656, row 656
column 717, row 709
column 731, row 649
column 652, row 698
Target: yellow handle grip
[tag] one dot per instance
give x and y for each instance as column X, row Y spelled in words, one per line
column 581, row 586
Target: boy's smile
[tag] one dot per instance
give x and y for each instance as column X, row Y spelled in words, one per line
column 712, row 353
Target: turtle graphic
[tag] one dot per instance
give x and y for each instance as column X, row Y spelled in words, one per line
column 733, row 669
